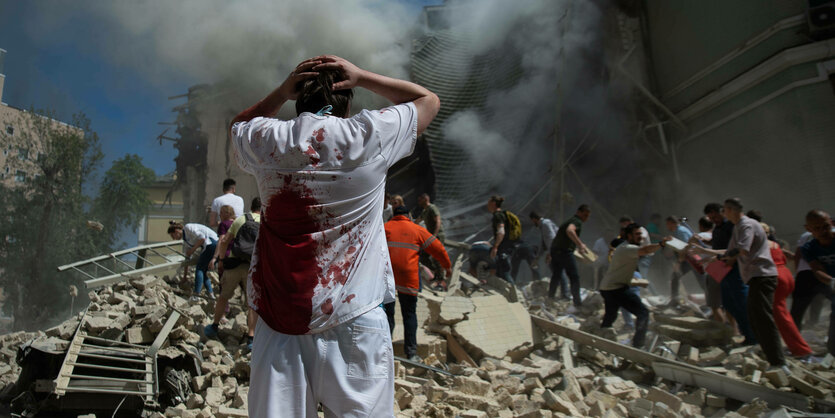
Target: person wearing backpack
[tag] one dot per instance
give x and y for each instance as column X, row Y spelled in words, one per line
column 241, row 236
column 507, row 229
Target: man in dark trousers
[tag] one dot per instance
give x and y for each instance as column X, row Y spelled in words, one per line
column 406, row 241
column 562, row 253
column 615, row 286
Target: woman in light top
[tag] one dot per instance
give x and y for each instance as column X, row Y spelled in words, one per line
column 197, row 237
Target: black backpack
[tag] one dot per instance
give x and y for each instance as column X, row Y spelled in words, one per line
column 244, row 243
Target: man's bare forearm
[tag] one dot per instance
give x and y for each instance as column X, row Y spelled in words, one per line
column 266, row 107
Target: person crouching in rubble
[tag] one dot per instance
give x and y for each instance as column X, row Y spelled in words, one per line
column 320, row 270
column 615, row 286
column 197, row 236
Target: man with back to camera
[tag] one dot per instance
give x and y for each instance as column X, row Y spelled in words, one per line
column 321, row 266
column 227, row 198
column 562, row 254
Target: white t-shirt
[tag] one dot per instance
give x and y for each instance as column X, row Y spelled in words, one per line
column 321, row 258
column 195, row 232
column 230, row 199
column 622, row 267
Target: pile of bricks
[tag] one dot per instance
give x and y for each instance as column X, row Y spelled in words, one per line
column 497, row 363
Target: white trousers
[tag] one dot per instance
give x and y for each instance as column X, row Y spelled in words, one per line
column 349, row 369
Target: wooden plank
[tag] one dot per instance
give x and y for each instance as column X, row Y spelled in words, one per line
column 162, row 337
column 458, row 351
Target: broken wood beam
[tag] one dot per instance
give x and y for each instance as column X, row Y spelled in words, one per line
column 677, row 371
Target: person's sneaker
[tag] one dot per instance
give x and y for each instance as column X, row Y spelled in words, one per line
column 810, row 359
column 210, row 331
column 784, row 368
column 194, row 299
column 415, row 358
column 211, row 295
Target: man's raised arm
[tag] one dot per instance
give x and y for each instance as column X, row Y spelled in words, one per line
column 270, row 105
column 396, row 91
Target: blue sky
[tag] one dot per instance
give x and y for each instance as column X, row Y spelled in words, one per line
column 65, row 73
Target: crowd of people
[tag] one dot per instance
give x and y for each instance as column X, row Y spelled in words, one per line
column 734, row 257
column 323, row 261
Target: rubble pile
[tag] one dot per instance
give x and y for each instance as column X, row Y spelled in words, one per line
column 482, row 356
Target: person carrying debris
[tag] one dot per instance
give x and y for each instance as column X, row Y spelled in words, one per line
column 321, row 271
column 616, row 287
column 748, row 248
column 196, row 236
column 562, row 253
column 235, row 252
column 406, row 240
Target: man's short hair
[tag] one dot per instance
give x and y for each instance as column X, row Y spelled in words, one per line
column 626, row 218
column 755, row 215
column 498, row 200
column 584, row 208
column 817, row 214
column 674, row 219
column 401, row 210
column 734, row 202
column 705, row 222
column 630, row 229
column 535, row 215
column 424, row 196
column 228, row 184
column 255, row 206
column 316, row 93
column 712, row 207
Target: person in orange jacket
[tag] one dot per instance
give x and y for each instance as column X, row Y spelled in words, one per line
column 406, row 240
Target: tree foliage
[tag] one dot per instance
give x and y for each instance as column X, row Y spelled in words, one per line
column 44, row 220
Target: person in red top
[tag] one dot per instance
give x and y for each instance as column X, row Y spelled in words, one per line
column 785, row 286
column 406, row 240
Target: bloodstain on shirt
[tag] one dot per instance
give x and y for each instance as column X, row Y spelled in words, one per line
column 287, row 268
column 319, row 135
column 314, row 156
column 348, row 298
column 327, row 307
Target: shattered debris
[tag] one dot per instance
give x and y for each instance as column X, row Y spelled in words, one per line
column 484, row 356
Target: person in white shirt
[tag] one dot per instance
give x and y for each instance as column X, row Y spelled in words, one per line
column 321, row 270
column 197, row 236
column 227, row 198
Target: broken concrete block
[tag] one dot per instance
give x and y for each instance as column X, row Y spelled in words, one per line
column 805, row 387
column 402, row 398
column 496, row 328
column 777, row 378
column 670, row 400
column 661, row 410
column 756, row 408
column 639, row 408
column 557, row 403
column 138, row 335
column 194, row 401
column 214, row 396
column 571, row 387
column 711, row 357
column 227, row 412
column 455, row 309
column 472, row 385
column 715, row 401
column 472, row 413
column 143, row 282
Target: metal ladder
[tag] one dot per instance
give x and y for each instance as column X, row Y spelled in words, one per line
column 100, row 365
column 101, row 275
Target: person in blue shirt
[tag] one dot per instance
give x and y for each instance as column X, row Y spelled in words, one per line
column 680, row 265
column 820, row 254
